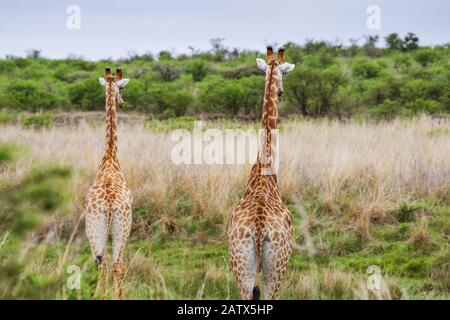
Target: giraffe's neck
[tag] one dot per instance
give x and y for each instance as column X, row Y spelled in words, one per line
column 110, row 153
column 270, row 108
column 262, row 178
column 269, row 118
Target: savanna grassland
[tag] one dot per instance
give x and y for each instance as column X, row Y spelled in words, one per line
column 362, row 193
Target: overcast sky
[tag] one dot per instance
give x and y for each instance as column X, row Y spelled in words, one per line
column 114, row 27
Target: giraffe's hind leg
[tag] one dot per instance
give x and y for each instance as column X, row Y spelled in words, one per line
column 274, row 259
column 120, row 230
column 242, row 253
column 97, row 233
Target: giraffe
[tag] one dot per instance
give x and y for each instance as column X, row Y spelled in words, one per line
column 260, row 227
column 109, row 199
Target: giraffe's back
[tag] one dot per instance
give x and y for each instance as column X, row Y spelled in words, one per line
column 110, row 188
column 259, row 237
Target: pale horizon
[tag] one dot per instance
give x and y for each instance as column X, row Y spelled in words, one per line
column 111, row 29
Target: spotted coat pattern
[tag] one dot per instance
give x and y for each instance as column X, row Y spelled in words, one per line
column 109, row 199
column 260, row 227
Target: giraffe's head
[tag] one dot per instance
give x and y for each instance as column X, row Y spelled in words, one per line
column 275, row 68
column 114, row 84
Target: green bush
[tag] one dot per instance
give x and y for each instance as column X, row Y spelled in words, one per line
column 394, row 42
column 198, row 70
column 414, row 89
column 28, row 95
column 329, row 80
column 314, row 90
column 366, row 69
column 423, row 105
column 425, row 56
column 167, row 72
column 7, row 116
column 87, row 94
column 134, row 96
column 386, row 110
column 167, row 96
column 401, row 62
column 252, row 100
column 223, row 96
column 38, row 120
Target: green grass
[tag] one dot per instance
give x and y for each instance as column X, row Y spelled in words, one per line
column 177, row 266
column 178, row 250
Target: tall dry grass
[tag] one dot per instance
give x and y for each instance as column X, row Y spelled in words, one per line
column 357, row 170
column 377, row 164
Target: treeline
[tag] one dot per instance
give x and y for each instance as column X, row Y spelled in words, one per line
column 401, row 78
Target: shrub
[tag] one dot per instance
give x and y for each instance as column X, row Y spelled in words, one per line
column 38, row 120
column 179, row 101
column 423, row 105
column 386, row 110
column 314, row 90
column 366, row 69
column 198, row 70
column 376, row 91
column 394, row 42
column 224, row 96
column 413, row 90
column 163, row 97
column 425, row 56
column 7, row 116
column 401, row 62
column 134, row 95
column 27, row 95
column 411, row 42
column 164, row 55
column 87, row 94
column 167, row 72
column 253, row 88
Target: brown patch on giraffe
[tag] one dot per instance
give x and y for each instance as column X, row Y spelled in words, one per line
column 261, row 213
column 109, row 199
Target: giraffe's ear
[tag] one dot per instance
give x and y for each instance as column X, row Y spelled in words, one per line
column 122, row 83
column 102, row 81
column 262, row 65
column 287, row 67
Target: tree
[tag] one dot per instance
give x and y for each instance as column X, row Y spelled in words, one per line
column 253, row 88
column 87, row 94
column 425, row 56
column 134, row 96
column 28, row 95
column 394, row 42
column 386, row 110
column 164, row 55
column 314, row 90
column 34, row 54
column 198, row 70
column 411, row 42
column 401, row 62
column 224, row 96
column 168, row 99
column 365, row 69
column 167, row 71
column 330, row 81
column 370, row 48
column 218, row 49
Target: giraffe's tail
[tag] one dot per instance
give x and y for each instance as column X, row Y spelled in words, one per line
column 259, row 238
column 99, row 258
column 256, row 293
